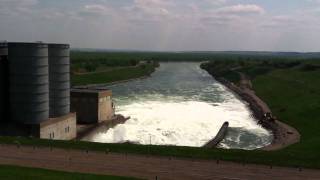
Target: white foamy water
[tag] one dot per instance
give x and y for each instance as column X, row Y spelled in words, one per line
column 181, row 105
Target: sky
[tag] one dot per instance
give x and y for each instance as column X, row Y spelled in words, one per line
column 166, row 25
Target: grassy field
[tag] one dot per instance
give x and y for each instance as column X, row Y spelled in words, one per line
column 106, row 67
column 17, row 173
column 293, row 96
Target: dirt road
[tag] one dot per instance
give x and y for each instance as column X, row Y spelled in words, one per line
column 148, row 167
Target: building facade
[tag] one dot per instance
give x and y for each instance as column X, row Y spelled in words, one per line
column 92, row 106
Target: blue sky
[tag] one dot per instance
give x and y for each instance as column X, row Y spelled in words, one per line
column 162, row 25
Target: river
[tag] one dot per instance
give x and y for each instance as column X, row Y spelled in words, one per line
column 182, row 105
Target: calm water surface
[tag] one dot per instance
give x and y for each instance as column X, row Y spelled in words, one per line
column 181, row 104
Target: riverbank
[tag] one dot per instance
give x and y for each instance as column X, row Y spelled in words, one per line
column 113, row 76
column 103, row 85
column 283, row 134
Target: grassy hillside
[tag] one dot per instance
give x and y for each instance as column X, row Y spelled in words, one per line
column 294, row 97
column 102, row 67
column 292, row 90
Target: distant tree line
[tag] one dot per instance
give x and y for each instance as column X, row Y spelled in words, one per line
column 91, row 60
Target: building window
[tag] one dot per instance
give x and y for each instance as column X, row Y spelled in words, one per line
column 67, row 129
column 51, row 135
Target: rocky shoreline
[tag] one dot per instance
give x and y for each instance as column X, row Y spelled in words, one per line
column 283, row 134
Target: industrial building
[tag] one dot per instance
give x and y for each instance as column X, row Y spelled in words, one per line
column 35, row 90
column 92, row 105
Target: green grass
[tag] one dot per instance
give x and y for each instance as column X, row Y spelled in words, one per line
column 293, row 96
column 16, row 172
column 254, row 71
column 112, row 75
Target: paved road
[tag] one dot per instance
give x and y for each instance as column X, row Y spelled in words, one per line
column 144, row 166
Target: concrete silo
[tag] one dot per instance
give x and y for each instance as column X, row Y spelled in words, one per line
column 3, row 82
column 59, row 79
column 28, row 82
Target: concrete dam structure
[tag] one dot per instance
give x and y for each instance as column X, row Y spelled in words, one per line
column 35, row 89
column 35, row 93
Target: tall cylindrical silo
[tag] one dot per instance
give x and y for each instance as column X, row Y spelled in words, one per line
column 28, row 82
column 3, row 82
column 59, row 79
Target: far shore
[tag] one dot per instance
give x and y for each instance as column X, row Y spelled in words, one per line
column 88, row 86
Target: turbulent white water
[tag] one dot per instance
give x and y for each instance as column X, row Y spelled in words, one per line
column 181, row 105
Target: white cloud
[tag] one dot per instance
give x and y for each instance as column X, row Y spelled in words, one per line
column 94, row 10
column 241, row 9
column 16, row 7
column 148, row 11
column 314, row 1
column 18, row 2
column 153, row 3
column 241, row 15
column 215, row 2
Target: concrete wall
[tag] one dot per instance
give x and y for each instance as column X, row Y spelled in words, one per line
column 92, row 106
column 62, row 128
column 86, row 109
column 105, row 109
column 4, row 94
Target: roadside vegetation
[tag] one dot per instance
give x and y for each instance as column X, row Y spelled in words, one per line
column 16, row 172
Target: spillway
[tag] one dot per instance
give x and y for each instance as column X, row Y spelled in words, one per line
column 181, row 104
